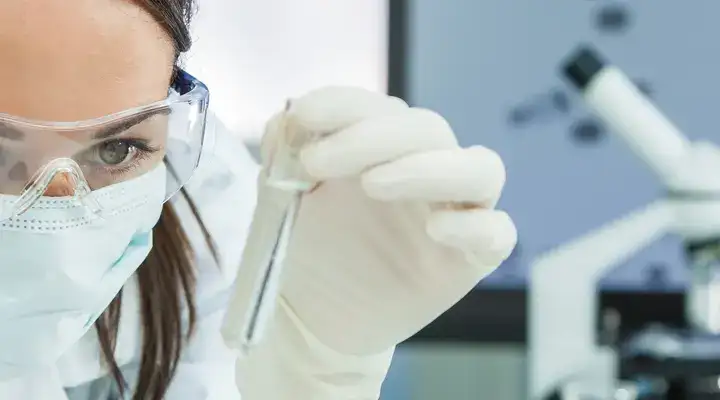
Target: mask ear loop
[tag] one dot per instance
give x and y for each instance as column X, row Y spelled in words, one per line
column 39, row 184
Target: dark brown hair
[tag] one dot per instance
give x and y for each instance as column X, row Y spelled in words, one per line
column 166, row 279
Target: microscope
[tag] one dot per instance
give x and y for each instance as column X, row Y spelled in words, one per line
column 569, row 356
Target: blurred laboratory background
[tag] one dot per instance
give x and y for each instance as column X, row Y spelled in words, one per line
column 602, row 326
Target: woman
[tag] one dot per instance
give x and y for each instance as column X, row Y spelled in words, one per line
column 400, row 226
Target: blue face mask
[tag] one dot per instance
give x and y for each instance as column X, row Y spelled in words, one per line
column 61, row 266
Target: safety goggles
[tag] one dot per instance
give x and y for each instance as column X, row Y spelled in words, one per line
column 60, row 159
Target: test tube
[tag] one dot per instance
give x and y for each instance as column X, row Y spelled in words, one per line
column 258, row 281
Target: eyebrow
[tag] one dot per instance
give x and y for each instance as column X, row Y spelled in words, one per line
column 120, row 127
column 9, row 132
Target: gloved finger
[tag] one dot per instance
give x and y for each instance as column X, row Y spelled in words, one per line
column 473, row 175
column 486, row 236
column 329, row 110
column 332, row 108
column 377, row 140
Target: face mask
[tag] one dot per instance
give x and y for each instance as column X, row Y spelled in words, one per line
column 61, row 266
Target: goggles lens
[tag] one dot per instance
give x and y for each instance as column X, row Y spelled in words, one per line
column 45, row 159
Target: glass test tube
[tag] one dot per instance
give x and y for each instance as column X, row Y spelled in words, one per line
column 251, row 309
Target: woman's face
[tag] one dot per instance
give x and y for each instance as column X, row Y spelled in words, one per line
column 74, row 60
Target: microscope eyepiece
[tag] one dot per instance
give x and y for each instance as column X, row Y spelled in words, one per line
column 582, row 66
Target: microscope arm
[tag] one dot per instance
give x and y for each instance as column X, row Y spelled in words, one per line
column 563, row 294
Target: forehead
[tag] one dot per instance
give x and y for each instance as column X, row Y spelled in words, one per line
column 68, row 61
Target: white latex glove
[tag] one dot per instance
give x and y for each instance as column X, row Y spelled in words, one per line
column 401, row 227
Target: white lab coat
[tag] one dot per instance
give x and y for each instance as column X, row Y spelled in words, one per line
column 225, row 192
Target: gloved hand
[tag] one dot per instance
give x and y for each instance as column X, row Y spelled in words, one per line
column 401, row 227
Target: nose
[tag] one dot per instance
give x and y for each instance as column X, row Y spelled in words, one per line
column 61, row 185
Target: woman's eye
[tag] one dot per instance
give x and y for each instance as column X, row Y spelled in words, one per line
column 114, row 152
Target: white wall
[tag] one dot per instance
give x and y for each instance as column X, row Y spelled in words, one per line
column 255, row 54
